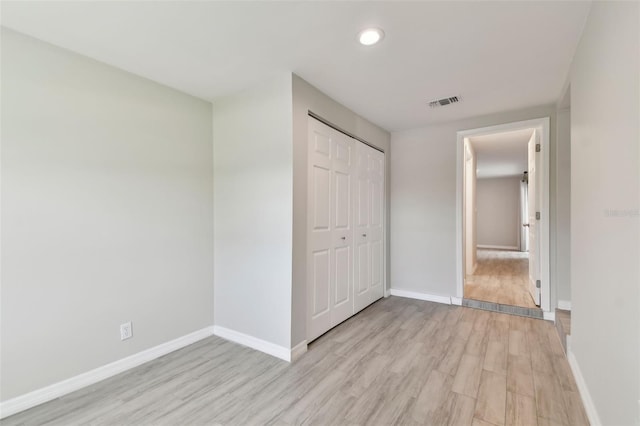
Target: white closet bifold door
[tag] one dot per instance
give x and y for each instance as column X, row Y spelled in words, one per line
column 345, row 232
column 330, row 228
column 369, row 232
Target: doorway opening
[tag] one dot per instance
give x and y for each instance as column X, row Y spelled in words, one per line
column 503, row 239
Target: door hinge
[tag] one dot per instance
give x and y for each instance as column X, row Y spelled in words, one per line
column 537, row 283
column 537, row 147
column 537, row 215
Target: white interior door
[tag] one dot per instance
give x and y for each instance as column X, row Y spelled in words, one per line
column 533, row 193
column 369, row 226
column 524, row 215
column 330, row 229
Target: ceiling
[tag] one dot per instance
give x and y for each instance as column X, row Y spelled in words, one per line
column 496, row 56
column 502, row 154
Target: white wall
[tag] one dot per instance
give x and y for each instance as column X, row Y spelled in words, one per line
column 107, row 206
column 605, row 203
column 470, row 231
column 423, row 201
column 498, row 204
column 563, row 206
column 253, row 164
column 307, row 98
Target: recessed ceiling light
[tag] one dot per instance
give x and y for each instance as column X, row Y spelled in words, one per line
column 370, row 36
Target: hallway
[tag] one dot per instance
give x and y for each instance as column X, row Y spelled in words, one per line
column 501, row 277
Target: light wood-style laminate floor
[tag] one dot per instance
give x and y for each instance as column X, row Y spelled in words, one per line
column 501, row 277
column 400, row 361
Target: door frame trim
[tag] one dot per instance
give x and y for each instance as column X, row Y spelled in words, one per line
column 334, row 127
column 543, row 126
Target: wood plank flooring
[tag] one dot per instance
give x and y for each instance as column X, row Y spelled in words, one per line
column 501, row 276
column 400, row 361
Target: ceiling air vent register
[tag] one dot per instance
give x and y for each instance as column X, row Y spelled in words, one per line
column 444, row 101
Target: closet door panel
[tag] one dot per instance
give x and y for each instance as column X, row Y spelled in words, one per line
column 342, row 229
column 321, row 275
column 343, row 277
column 376, row 266
column 321, row 182
column 362, row 190
column 343, row 201
column 362, row 271
column 376, row 225
column 319, row 234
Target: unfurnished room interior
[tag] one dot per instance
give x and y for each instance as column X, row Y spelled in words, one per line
column 327, row 212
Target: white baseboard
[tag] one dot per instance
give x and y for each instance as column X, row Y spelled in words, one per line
column 456, row 301
column 549, row 316
column 56, row 390
column 253, row 342
column 421, row 296
column 564, row 305
column 298, row 350
column 489, row 246
column 589, row 406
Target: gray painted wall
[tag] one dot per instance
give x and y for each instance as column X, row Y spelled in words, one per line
column 423, row 202
column 253, row 164
column 107, row 207
column 498, row 203
column 605, row 200
column 307, row 98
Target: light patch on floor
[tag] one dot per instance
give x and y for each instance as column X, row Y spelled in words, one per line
column 502, row 276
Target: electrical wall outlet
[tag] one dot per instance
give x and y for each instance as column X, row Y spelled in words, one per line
column 126, row 331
